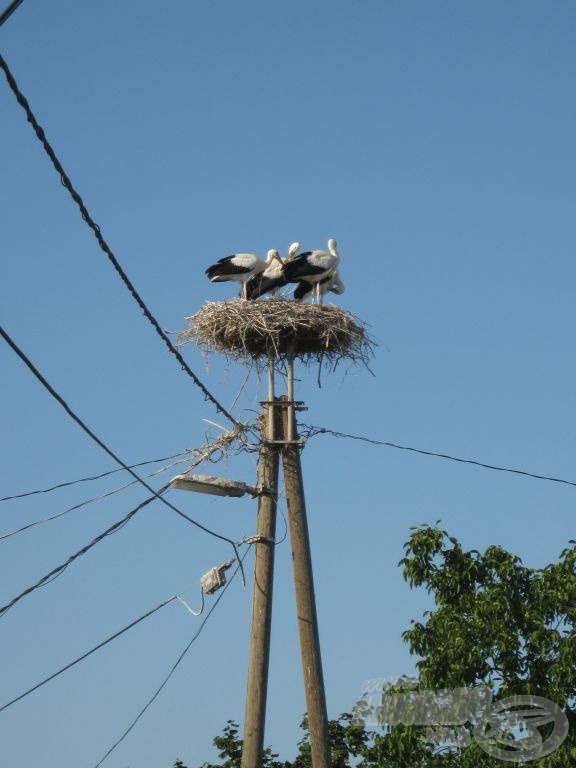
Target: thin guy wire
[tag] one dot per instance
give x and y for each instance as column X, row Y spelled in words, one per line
column 313, row 431
column 88, row 653
column 97, row 440
column 102, row 243
column 85, row 503
column 93, row 477
column 9, row 10
column 242, row 386
column 174, row 667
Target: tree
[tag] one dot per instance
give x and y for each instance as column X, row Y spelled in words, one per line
column 496, row 623
column 229, row 747
column 497, row 626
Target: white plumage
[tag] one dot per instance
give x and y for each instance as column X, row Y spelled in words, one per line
column 239, row 267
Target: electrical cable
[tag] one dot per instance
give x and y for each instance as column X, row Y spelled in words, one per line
column 115, row 636
column 9, row 10
column 313, row 431
column 191, row 610
column 93, row 477
column 85, row 503
column 88, row 653
column 55, row 572
column 65, row 180
column 174, row 667
column 11, row 343
column 280, row 508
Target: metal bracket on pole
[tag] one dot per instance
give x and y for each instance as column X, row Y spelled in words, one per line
column 292, row 406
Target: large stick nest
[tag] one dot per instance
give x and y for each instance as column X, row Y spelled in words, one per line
column 278, row 328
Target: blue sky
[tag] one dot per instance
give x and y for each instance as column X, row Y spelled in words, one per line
column 435, row 141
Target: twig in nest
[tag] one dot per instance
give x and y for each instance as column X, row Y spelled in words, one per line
column 248, row 331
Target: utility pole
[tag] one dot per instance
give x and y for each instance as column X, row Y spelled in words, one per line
column 283, row 331
column 255, row 713
column 305, row 600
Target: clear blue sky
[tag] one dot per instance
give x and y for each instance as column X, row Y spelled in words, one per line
column 435, row 141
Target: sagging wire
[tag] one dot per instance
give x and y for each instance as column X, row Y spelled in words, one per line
column 55, row 572
column 210, row 582
column 202, row 454
column 67, row 184
column 93, row 477
column 88, row 653
column 236, row 429
column 88, row 501
column 190, row 610
column 174, row 667
column 311, row 431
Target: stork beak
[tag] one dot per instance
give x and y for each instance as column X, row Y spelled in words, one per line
column 279, row 259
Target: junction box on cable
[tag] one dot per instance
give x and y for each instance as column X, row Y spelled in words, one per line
column 213, row 579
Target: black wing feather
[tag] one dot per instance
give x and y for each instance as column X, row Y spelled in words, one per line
column 259, row 285
column 299, row 268
column 225, row 267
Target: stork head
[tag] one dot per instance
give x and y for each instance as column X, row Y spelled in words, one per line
column 292, row 251
column 273, row 255
column 332, row 245
column 337, row 286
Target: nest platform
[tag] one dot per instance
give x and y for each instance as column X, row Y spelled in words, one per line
column 278, row 328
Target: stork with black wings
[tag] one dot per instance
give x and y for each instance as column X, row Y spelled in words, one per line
column 313, row 267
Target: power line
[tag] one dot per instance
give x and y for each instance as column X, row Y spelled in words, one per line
column 84, row 503
column 88, row 653
column 11, row 343
column 174, row 666
column 313, row 431
column 9, row 10
column 55, row 572
column 93, row 477
column 102, row 243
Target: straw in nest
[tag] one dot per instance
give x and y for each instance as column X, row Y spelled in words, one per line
column 278, row 328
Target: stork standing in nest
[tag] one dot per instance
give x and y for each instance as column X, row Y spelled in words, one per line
column 313, row 267
column 240, row 267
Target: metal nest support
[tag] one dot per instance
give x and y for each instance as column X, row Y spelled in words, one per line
column 279, row 329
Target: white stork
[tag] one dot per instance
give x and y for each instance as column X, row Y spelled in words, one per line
column 312, row 267
column 240, row 267
column 331, row 283
column 272, row 277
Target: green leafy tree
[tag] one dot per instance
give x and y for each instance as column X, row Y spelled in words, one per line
column 496, row 623
column 229, row 747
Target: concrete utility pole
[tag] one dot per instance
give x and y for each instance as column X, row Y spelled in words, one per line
column 255, row 713
column 305, row 600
